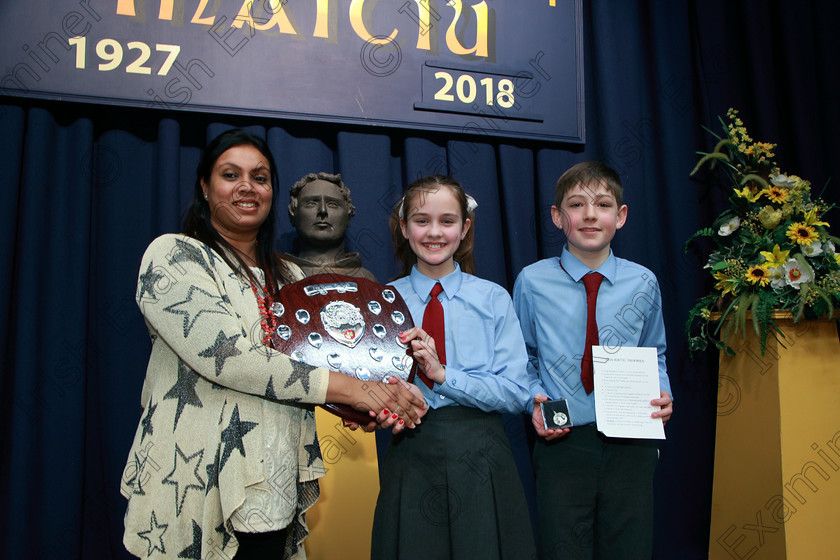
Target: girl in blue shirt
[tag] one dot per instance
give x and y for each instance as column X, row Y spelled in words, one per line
column 450, row 488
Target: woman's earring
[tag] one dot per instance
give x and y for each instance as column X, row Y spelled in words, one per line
column 205, row 196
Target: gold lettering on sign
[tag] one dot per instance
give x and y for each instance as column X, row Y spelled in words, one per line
column 322, row 28
column 126, row 8
column 280, row 19
column 356, row 10
column 423, row 26
column 166, row 8
column 452, row 41
column 209, row 20
column 272, row 16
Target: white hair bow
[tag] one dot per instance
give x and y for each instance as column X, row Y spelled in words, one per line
column 471, row 206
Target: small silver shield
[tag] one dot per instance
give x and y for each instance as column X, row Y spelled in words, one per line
column 344, row 322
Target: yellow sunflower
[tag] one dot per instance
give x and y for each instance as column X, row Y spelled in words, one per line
column 775, row 194
column 757, row 275
column 802, row 233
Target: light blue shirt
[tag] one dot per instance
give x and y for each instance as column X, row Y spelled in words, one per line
column 485, row 352
column 551, row 304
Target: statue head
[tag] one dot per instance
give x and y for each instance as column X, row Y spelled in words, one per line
column 320, row 209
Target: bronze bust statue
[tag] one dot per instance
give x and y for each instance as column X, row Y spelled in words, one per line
column 320, row 209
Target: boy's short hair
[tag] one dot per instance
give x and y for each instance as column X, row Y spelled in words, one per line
column 586, row 173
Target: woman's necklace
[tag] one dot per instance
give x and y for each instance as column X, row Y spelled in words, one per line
column 266, row 304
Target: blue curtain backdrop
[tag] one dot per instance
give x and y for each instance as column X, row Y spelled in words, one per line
column 86, row 188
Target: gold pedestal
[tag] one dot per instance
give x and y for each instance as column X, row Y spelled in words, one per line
column 777, row 452
column 340, row 522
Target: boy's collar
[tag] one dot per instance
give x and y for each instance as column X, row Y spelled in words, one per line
column 575, row 268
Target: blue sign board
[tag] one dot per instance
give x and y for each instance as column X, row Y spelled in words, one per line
column 511, row 68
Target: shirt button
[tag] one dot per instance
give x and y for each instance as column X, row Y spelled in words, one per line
column 442, row 397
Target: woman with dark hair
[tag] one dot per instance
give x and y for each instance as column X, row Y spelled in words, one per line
column 225, row 459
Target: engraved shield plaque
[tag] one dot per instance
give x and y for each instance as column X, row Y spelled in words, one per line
column 345, row 324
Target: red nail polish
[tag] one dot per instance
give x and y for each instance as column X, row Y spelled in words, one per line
column 401, row 422
column 387, row 412
column 395, row 416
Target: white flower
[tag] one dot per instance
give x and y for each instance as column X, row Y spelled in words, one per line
column 777, row 277
column 783, row 181
column 813, row 250
column 828, row 247
column 729, row 226
column 797, row 272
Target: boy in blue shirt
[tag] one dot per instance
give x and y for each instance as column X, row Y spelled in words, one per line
column 594, row 493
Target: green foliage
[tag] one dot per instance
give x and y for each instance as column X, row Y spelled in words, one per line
column 771, row 248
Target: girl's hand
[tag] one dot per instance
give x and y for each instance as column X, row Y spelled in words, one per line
column 407, row 404
column 393, row 418
column 424, row 353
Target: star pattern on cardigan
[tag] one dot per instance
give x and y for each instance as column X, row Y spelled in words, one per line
column 232, row 436
column 300, row 371
column 314, row 451
column 243, row 285
column 225, row 533
column 154, row 535
column 135, row 481
column 147, row 282
column 184, row 390
column 186, row 252
column 222, row 349
column 269, row 389
column 213, row 471
column 146, row 422
column 193, row 550
column 184, row 477
column 211, row 256
column 204, row 302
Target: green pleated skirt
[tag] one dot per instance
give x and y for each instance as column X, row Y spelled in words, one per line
column 450, row 489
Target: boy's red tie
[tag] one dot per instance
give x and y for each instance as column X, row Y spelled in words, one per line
column 591, row 282
column 433, row 325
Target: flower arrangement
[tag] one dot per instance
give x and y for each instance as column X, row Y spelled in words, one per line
column 772, row 250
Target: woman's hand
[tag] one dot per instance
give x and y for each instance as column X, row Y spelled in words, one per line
column 403, row 402
column 369, row 427
column 424, row 353
column 392, row 418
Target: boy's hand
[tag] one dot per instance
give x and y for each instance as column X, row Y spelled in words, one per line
column 666, row 407
column 537, row 421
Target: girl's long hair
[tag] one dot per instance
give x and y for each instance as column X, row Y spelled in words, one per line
column 197, row 222
column 413, row 196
